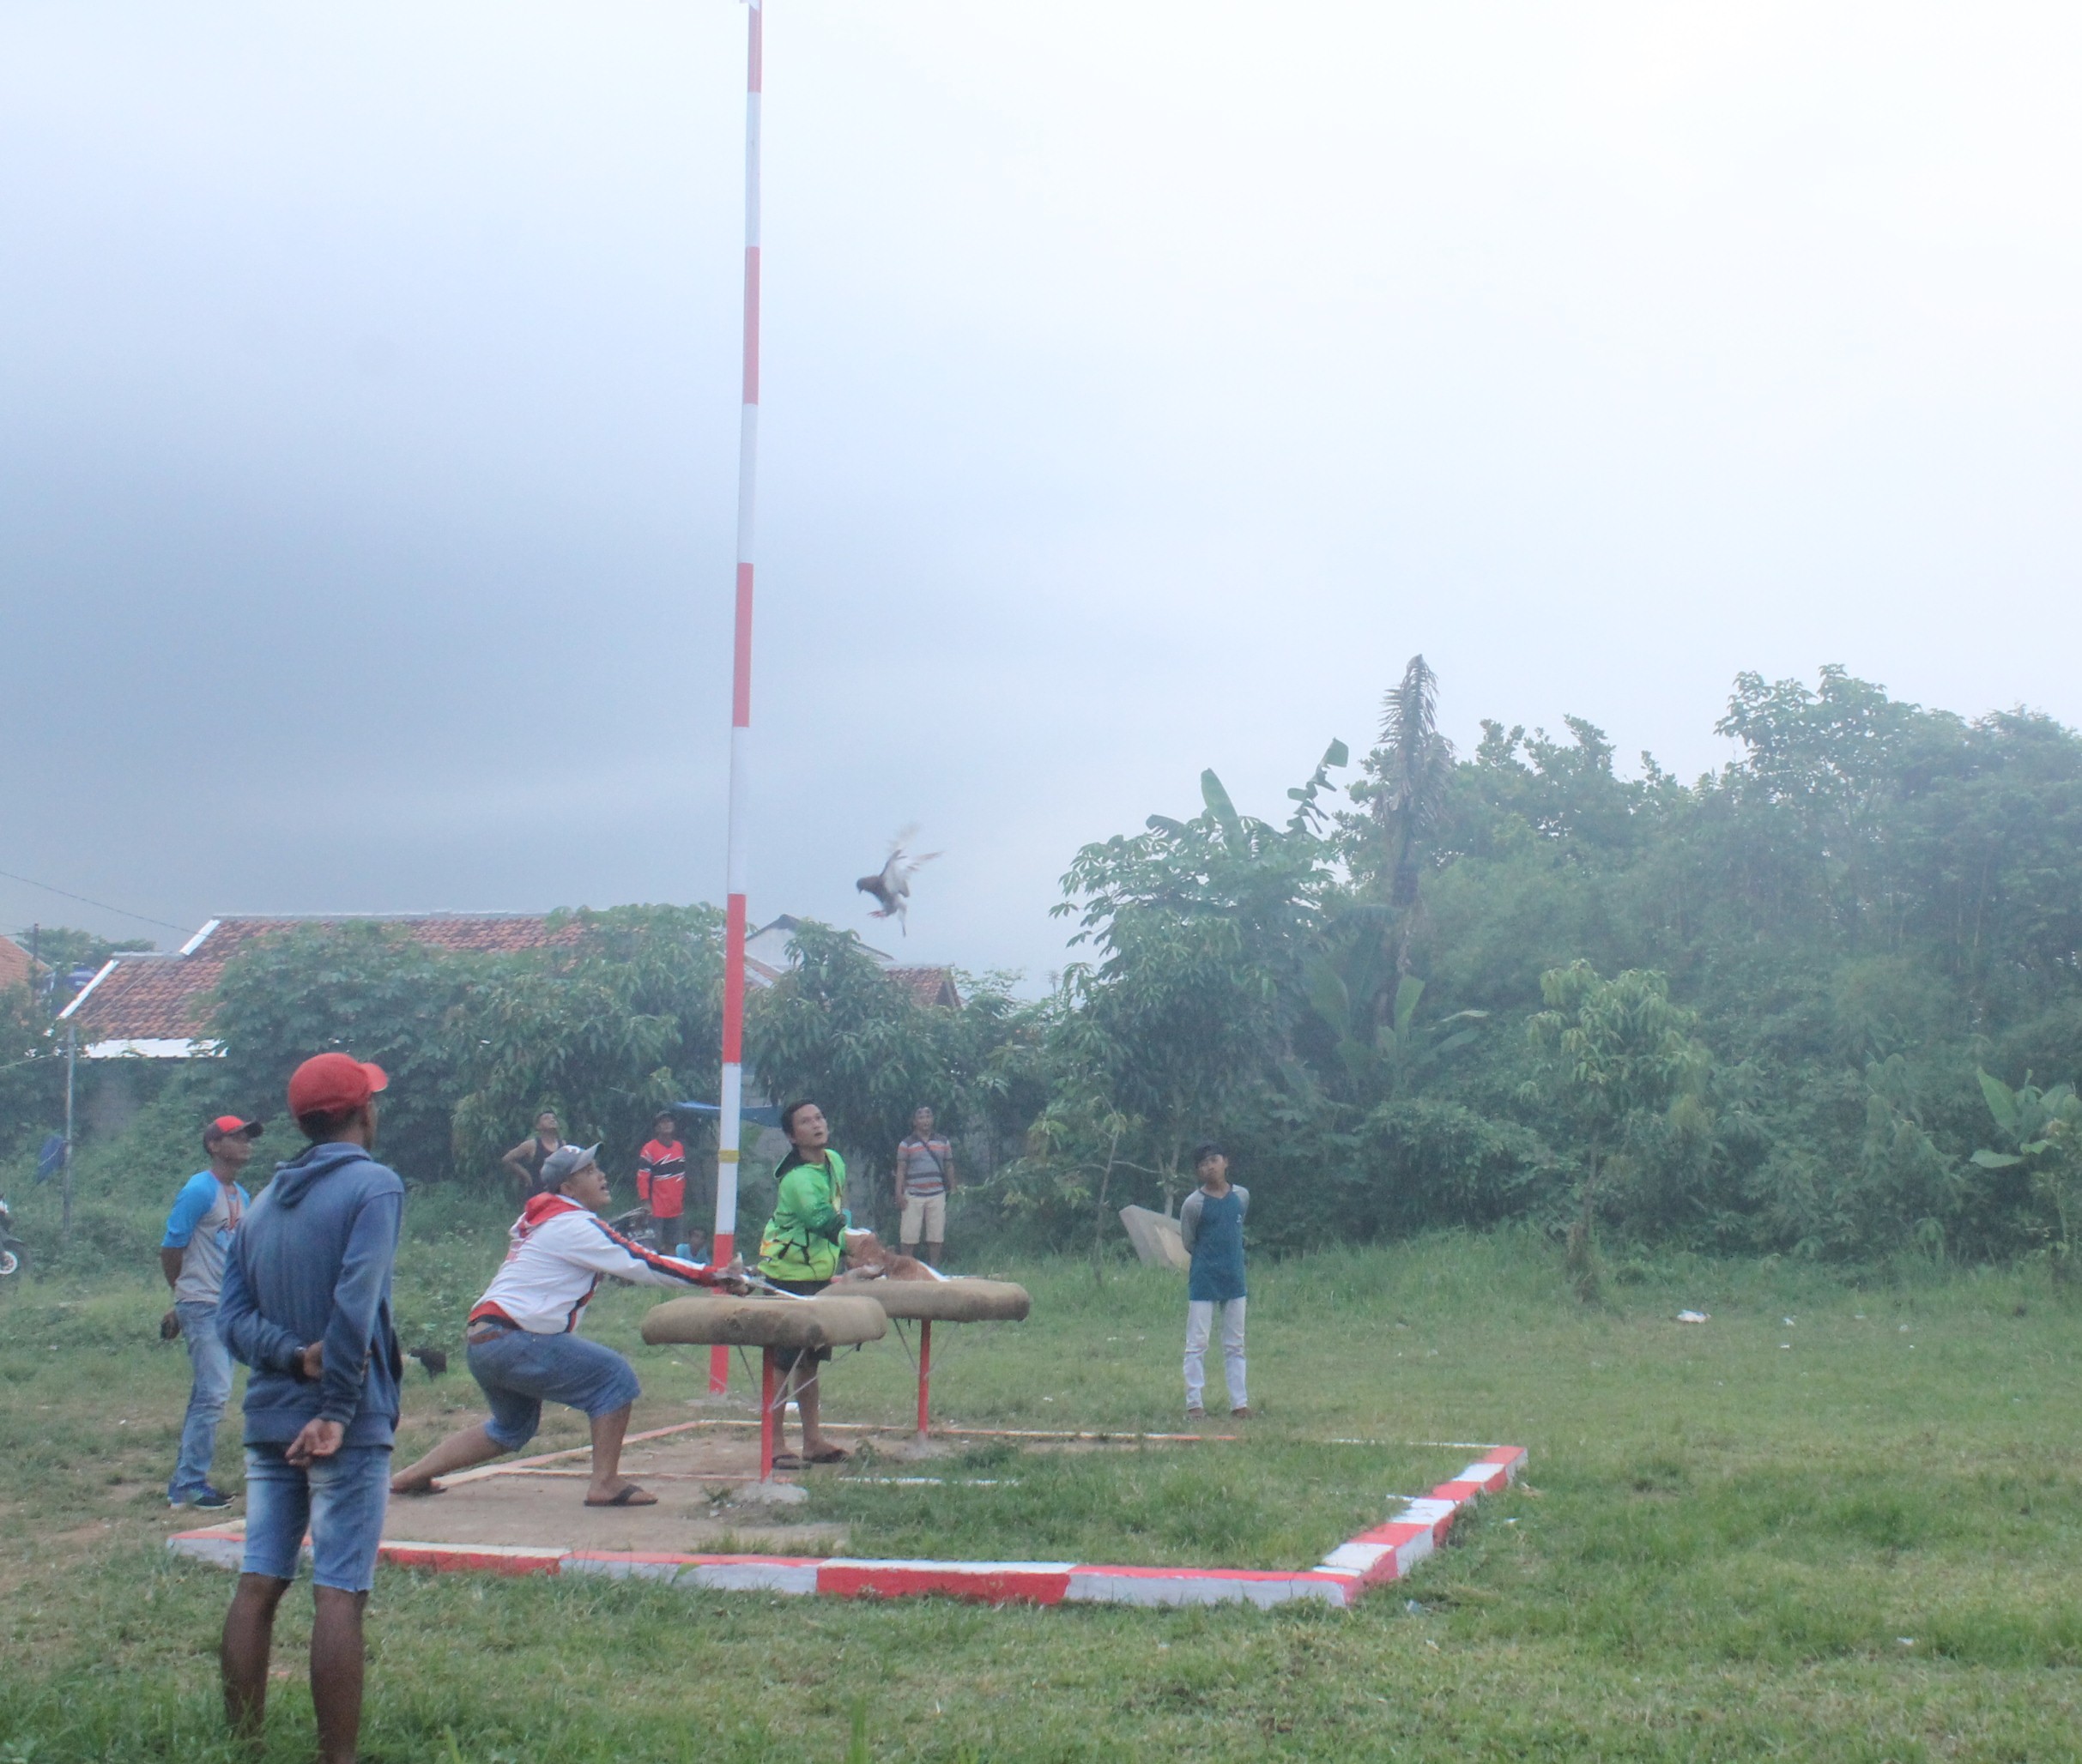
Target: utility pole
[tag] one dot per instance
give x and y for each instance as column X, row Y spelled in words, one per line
column 731, row 1099
column 72, row 1055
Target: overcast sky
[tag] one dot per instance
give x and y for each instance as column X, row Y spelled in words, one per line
column 1144, row 383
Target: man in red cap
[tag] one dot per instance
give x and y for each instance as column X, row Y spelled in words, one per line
column 192, row 1254
column 306, row 1305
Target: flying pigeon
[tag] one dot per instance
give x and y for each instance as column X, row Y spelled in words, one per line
column 892, row 886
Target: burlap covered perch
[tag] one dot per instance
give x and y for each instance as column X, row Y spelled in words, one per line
column 947, row 1301
column 822, row 1322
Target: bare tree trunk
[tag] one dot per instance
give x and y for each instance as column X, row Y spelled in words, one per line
column 1098, row 1221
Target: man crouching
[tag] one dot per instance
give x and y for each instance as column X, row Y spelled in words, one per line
column 525, row 1348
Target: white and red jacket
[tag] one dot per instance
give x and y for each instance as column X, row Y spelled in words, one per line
column 559, row 1252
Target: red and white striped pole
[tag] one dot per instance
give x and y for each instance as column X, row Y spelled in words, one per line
column 732, row 1096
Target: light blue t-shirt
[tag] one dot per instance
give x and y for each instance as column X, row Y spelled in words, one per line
column 205, row 1214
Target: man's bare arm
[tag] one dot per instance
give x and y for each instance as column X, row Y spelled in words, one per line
column 170, row 1262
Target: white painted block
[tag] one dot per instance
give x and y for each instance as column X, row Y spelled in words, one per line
column 1426, row 1511
column 752, row 1576
column 666, row 1571
column 951, row 1567
column 1198, row 1589
column 218, row 1552
column 1354, row 1558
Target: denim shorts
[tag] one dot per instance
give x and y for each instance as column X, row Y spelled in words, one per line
column 339, row 1498
column 520, row 1372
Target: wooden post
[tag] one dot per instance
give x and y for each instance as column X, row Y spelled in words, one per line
column 767, row 1396
column 925, row 1370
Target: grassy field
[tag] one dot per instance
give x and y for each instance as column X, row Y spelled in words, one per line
column 1852, row 1534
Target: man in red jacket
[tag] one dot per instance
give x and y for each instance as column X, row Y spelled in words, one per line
column 661, row 1180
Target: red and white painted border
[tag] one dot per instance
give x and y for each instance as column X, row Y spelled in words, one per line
column 1384, row 1553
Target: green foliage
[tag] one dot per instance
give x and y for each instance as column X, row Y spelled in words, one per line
column 2044, row 1128
column 838, row 1030
column 1616, row 1050
column 607, row 1031
column 32, row 1071
column 1198, row 928
column 605, row 1027
column 367, row 988
column 1869, row 901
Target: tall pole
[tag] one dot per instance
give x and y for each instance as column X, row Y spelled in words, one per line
column 72, row 1055
column 732, row 1096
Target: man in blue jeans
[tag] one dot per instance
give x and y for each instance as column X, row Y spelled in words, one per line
column 206, row 1213
column 306, row 1304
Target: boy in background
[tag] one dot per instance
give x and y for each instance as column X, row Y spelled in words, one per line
column 1211, row 1223
column 660, row 1180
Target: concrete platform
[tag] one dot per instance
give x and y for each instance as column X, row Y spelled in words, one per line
column 531, row 1519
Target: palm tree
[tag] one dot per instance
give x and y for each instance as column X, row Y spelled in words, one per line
column 1413, row 766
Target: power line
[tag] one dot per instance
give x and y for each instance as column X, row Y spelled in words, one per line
column 121, row 912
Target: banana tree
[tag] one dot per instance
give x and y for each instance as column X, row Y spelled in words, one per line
column 1371, row 1012
column 2045, row 1128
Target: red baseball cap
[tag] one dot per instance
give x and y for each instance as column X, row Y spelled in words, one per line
column 226, row 1125
column 332, row 1084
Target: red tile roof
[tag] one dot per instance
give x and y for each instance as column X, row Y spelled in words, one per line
column 159, row 997
column 14, row 964
column 928, row 986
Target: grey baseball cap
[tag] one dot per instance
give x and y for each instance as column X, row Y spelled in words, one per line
column 565, row 1162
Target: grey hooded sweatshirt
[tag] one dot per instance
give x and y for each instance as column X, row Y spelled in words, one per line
column 312, row 1262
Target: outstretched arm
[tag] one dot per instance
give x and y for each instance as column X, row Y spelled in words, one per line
column 593, row 1244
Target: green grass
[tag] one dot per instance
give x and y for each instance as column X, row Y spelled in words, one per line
column 1274, row 1504
column 1866, row 1545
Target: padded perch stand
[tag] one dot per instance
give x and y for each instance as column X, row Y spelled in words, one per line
column 942, row 1302
column 766, row 1324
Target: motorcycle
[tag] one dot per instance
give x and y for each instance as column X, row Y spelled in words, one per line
column 9, row 1243
column 637, row 1226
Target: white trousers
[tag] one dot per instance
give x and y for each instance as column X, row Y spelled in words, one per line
column 1199, row 1324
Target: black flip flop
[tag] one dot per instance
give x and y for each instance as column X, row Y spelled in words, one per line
column 830, row 1454
column 626, row 1498
column 786, row 1460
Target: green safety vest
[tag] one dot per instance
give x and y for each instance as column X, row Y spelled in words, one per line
column 802, row 1240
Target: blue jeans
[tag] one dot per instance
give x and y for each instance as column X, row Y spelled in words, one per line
column 340, row 1499
column 212, row 1362
column 520, row 1372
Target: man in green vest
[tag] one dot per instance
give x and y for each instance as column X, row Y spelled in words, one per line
column 800, row 1253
